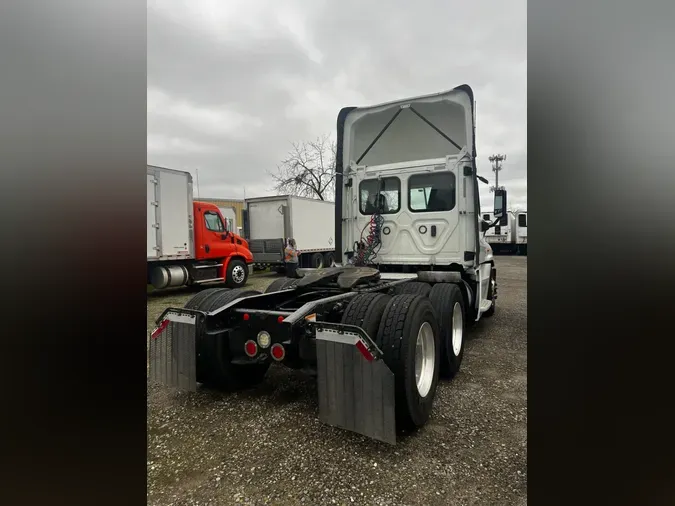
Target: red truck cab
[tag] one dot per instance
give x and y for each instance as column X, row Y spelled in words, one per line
column 214, row 243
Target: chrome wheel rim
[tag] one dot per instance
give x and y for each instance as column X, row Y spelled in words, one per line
column 457, row 328
column 238, row 274
column 425, row 352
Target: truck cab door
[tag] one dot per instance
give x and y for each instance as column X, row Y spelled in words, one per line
column 217, row 241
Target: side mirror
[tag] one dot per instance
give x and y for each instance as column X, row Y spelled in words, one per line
column 500, row 203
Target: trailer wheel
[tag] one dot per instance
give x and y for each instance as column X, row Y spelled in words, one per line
column 316, row 261
column 409, row 337
column 413, row 287
column 492, row 290
column 199, row 298
column 237, row 274
column 450, row 306
column 329, row 259
column 365, row 310
column 280, row 284
column 214, row 368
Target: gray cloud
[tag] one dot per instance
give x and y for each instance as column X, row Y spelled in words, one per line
column 231, row 84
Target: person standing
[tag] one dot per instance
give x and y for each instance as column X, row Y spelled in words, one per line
column 291, row 258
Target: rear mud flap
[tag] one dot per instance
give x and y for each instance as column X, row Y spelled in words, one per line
column 172, row 353
column 355, row 387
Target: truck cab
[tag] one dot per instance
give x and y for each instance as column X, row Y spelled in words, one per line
column 215, row 243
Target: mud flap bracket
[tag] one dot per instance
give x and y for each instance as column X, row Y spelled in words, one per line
column 355, row 386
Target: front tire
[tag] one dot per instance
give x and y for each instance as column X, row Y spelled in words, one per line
column 492, row 294
column 237, row 274
column 409, row 337
column 450, row 306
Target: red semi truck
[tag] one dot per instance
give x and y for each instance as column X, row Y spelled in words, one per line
column 188, row 241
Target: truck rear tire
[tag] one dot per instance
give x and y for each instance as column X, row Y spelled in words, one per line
column 214, row 367
column 409, row 337
column 199, row 298
column 413, row 287
column 365, row 311
column 448, row 301
column 281, row 284
column 237, row 274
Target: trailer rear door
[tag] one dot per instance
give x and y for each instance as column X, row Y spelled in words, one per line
column 266, row 219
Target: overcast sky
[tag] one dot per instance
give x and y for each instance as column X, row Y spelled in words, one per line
column 232, row 83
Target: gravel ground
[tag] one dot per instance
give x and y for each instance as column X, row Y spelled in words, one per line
column 266, row 446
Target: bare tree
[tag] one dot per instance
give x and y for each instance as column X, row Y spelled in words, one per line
column 308, row 170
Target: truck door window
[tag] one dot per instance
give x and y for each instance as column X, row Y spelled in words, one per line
column 213, row 222
column 522, row 220
column 431, row 192
column 386, row 192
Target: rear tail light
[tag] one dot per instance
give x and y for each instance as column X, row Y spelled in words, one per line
column 278, row 352
column 250, row 348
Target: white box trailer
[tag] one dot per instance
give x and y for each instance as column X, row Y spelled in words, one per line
column 169, row 215
column 500, row 237
column 269, row 221
column 519, row 231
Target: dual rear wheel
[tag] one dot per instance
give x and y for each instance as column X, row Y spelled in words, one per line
column 420, row 331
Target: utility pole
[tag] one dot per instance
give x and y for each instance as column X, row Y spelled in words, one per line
column 496, row 161
column 197, row 170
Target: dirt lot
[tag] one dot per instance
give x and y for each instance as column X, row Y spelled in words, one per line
column 267, row 446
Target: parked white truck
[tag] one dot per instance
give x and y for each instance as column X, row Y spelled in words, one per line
column 413, row 273
column 269, row 221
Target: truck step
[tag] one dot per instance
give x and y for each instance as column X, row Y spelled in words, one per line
column 485, row 305
column 207, row 266
column 213, row 280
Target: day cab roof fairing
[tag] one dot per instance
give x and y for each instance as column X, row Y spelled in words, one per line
column 419, row 128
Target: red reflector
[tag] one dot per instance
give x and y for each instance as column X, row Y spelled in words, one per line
column 278, row 352
column 246, row 316
column 280, row 319
column 159, row 329
column 251, row 348
column 364, row 351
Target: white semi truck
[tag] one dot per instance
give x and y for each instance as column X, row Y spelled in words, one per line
column 413, row 273
column 269, row 221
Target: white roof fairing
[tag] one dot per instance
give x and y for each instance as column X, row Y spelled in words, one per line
column 409, row 137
